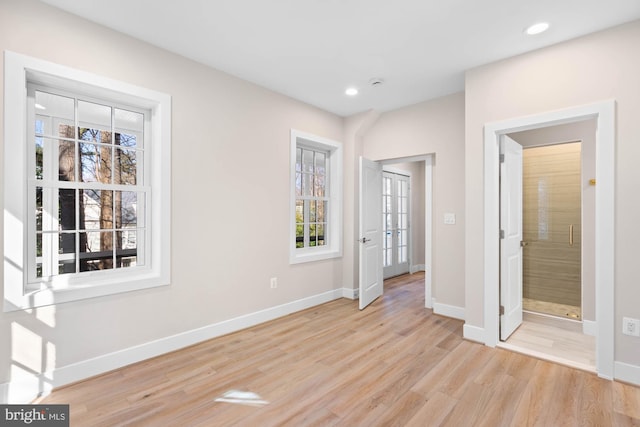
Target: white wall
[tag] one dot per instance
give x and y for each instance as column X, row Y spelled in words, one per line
column 432, row 127
column 590, row 69
column 230, row 207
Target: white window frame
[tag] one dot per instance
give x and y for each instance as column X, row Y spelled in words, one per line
column 21, row 70
column 333, row 236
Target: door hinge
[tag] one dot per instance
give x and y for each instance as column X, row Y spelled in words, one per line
column 501, row 158
column 502, row 234
column 501, row 310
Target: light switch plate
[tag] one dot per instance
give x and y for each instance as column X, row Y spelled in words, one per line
column 449, row 218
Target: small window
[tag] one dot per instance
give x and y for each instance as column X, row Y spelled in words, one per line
column 84, row 159
column 316, row 165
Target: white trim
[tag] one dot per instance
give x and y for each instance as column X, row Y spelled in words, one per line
column 428, row 231
column 334, row 239
column 25, row 390
column 627, row 373
column 349, row 293
column 589, row 327
column 20, row 69
column 604, row 112
column 417, row 267
column 473, row 333
column 397, row 171
column 448, row 310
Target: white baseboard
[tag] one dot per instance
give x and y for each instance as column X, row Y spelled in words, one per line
column 417, row 267
column 350, row 293
column 627, row 373
column 589, row 327
column 473, row 333
column 448, row 310
column 26, row 389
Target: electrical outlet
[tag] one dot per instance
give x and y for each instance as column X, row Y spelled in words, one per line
column 274, row 282
column 631, row 326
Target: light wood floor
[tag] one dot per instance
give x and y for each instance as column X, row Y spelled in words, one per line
column 393, row 364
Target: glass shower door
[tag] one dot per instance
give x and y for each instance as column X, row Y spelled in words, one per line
column 552, row 282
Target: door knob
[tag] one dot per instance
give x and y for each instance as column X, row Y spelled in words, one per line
column 365, row 240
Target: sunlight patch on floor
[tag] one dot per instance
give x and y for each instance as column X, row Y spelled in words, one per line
column 242, row 397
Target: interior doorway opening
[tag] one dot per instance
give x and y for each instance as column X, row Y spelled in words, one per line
column 420, row 256
column 604, row 115
column 559, row 257
column 558, row 164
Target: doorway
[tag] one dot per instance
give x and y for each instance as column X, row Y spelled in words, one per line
column 603, row 113
column 420, row 168
column 556, row 160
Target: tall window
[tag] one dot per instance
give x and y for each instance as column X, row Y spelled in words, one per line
column 83, row 159
column 88, row 194
column 316, row 195
column 312, row 197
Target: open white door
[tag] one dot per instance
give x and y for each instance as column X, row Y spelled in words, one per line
column 370, row 253
column 511, row 236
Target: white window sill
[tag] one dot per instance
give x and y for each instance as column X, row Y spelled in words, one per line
column 309, row 255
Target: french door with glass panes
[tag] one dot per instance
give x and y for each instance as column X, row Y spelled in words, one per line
column 395, row 220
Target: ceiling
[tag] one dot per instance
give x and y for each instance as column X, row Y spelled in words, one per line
column 312, row 50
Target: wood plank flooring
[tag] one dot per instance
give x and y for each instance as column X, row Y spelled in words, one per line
column 393, row 364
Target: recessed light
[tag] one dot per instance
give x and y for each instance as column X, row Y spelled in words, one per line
column 538, row 28
column 40, row 107
column 352, row 91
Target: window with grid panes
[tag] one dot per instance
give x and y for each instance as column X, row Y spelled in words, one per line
column 316, row 197
column 89, row 193
column 312, row 198
column 85, row 156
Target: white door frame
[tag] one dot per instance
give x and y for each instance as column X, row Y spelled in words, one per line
column 428, row 160
column 604, row 113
